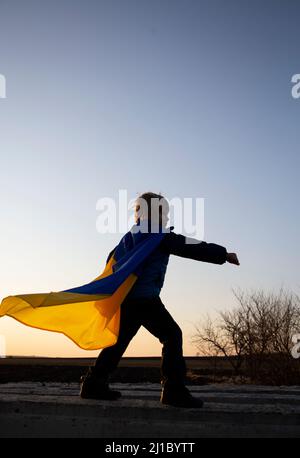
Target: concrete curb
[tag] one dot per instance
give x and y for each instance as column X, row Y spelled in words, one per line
column 55, row 410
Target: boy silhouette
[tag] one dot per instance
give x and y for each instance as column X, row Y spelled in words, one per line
column 143, row 307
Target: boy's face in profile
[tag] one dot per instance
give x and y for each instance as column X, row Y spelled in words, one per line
column 157, row 211
column 164, row 214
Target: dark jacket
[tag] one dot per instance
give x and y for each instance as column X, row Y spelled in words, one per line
column 151, row 279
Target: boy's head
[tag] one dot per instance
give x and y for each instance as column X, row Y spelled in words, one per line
column 153, row 207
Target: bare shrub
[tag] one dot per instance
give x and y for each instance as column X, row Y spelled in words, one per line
column 256, row 336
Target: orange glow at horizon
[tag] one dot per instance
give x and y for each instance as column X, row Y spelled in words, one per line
column 26, row 341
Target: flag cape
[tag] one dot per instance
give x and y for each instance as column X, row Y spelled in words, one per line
column 89, row 314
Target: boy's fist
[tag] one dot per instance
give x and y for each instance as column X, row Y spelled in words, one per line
column 233, row 259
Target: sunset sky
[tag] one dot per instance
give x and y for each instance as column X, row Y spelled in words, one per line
column 187, row 98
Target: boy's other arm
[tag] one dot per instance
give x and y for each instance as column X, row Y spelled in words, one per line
column 110, row 254
column 207, row 252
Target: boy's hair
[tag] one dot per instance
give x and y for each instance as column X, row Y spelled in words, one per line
column 143, row 203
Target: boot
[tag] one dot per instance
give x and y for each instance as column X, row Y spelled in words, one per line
column 179, row 396
column 94, row 386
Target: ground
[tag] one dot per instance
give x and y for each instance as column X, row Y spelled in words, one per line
column 35, row 409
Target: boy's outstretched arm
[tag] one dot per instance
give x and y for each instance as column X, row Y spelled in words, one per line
column 202, row 251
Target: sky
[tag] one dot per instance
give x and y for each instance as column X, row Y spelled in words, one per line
column 187, row 98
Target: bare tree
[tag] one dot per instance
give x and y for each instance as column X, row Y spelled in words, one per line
column 256, row 335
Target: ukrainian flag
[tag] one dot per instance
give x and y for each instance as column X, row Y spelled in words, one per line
column 90, row 314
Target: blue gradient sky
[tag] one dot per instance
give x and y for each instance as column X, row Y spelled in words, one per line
column 190, row 98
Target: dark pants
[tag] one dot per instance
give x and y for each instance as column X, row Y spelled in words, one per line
column 152, row 314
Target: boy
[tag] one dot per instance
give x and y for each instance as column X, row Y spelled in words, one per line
column 143, row 307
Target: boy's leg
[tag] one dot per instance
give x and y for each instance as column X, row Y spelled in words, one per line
column 173, row 369
column 157, row 320
column 95, row 383
column 130, row 323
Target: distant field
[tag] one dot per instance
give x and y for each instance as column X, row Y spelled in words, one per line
column 201, row 370
column 192, row 361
